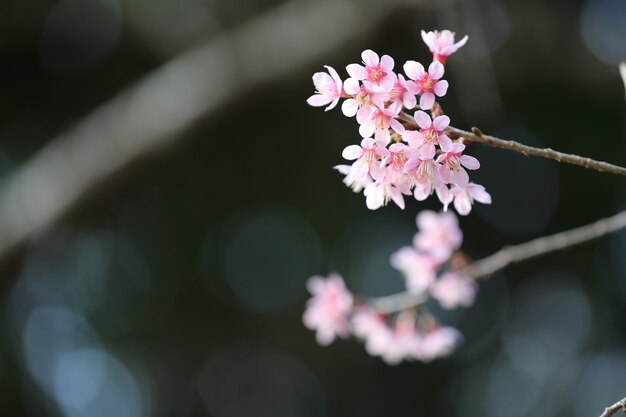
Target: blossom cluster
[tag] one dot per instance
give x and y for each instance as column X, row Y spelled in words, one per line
column 401, row 154
column 408, row 334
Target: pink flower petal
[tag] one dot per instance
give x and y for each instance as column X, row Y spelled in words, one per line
column 470, row 162
column 350, row 107
column 427, row 100
column 366, row 130
column 441, row 122
column 357, row 71
column 336, row 77
column 422, row 119
column 352, row 152
column 370, row 58
column 322, row 80
column 435, row 70
column 441, row 88
column 408, row 100
column 386, row 63
column 413, row 69
column 463, row 204
column 352, row 86
column 445, row 143
column 319, row 100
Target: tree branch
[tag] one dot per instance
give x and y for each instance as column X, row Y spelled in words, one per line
column 620, row 405
column 478, row 137
column 510, row 255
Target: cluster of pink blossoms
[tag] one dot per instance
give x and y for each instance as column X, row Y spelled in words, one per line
column 394, row 159
column 410, row 334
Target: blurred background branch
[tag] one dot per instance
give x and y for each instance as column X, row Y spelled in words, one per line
column 157, row 110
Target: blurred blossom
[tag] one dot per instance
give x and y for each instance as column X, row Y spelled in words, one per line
column 530, row 180
column 237, row 384
column 603, row 27
column 79, row 34
column 266, row 256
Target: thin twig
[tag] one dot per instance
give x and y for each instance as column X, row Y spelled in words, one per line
column 478, row 137
column 620, row 405
column 510, row 255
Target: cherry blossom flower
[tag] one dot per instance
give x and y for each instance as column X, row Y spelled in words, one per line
column 431, row 133
column 378, row 123
column 439, row 234
column 451, row 170
column 367, row 156
column 360, row 100
column 329, row 89
column 452, row 290
column 403, row 341
column 403, row 93
column 438, row 342
column 395, row 162
column 370, row 326
column 378, row 193
column 426, row 178
column 327, row 311
column 419, row 270
column 377, row 74
column 464, row 197
column 428, row 83
column 441, row 44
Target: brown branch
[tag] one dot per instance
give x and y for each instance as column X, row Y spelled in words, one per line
column 510, row 255
column 478, row 137
column 609, row 411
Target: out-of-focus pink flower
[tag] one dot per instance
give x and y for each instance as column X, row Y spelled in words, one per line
column 438, row 342
column 329, row 89
column 370, row 326
column 441, row 44
column 404, row 341
column 439, row 234
column 428, row 83
column 464, row 197
column 418, row 269
column 453, row 290
column 377, row 74
column 451, row 170
column 328, row 310
column 431, row 134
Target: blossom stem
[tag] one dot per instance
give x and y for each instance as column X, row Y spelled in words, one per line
column 484, row 268
column 620, row 405
column 478, row 137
